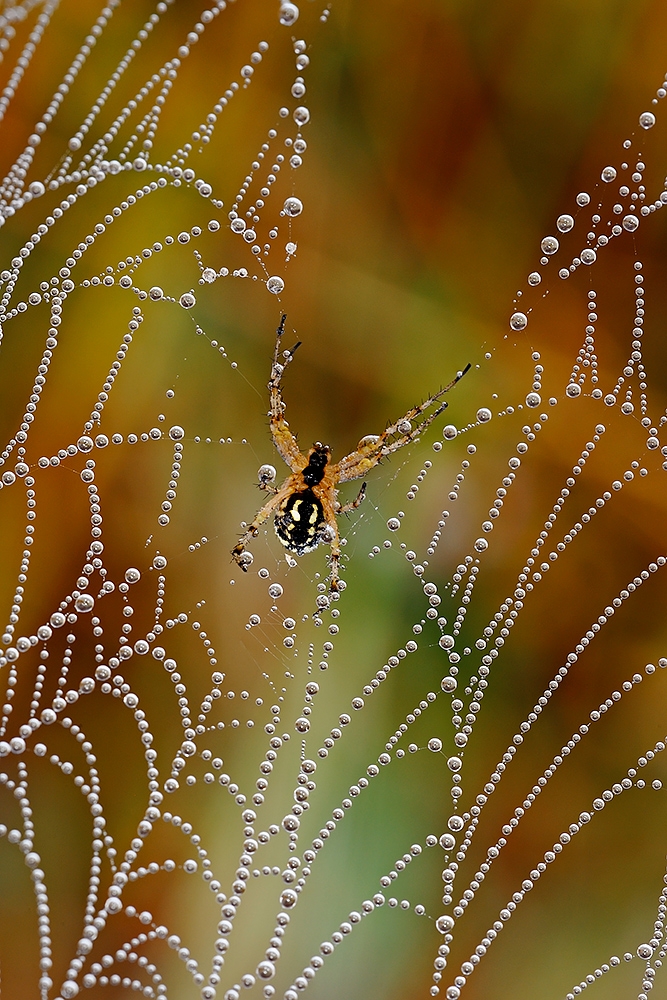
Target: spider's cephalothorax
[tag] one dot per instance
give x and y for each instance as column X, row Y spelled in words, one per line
column 318, row 459
column 306, row 505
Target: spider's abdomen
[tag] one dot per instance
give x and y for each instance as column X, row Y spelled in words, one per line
column 299, row 521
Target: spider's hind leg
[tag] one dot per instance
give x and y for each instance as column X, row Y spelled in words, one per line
column 353, row 504
column 333, row 538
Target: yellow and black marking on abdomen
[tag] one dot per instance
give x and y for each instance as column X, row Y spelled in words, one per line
column 299, row 521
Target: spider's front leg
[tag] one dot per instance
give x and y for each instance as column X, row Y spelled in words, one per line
column 283, row 438
column 240, row 554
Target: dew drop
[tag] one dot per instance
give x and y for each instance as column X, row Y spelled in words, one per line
column 565, row 223
column 275, row 284
column 265, row 970
column 301, row 115
column 84, row 603
column 608, row 174
column 266, row 473
column 293, row 207
column 647, row 119
column 289, row 13
column 518, row 321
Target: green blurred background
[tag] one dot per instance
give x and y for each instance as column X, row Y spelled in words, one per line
column 445, row 139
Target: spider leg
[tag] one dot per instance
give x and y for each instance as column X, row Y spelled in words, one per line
column 353, row 504
column 283, row 438
column 329, row 534
column 335, row 558
column 239, row 551
column 367, row 455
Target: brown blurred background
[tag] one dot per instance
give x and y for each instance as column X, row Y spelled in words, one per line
column 445, row 139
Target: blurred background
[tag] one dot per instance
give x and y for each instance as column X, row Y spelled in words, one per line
column 444, row 140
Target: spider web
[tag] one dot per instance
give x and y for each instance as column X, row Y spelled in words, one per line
column 217, row 784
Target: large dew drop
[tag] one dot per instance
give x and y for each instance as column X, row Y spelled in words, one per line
column 564, row 223
column 289, row 13
column 293, row 207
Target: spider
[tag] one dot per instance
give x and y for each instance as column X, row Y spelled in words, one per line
column 306, row 505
